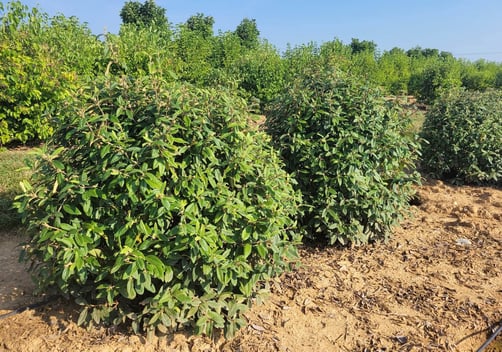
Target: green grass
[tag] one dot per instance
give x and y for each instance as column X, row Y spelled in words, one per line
column 417, row 118
column 10, row 176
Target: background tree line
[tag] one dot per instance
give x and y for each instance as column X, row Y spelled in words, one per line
column 46, row 58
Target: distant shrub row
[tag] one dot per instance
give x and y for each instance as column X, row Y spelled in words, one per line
column 463, row 137
column 46, row 59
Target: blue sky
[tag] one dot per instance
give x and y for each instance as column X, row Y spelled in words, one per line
column 470, row 29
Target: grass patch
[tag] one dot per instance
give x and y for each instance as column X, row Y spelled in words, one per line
column 417, row 118
column 11, row 161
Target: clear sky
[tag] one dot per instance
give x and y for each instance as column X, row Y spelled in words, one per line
column 470, row 29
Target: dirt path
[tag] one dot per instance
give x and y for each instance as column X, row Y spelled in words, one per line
column 433, row 287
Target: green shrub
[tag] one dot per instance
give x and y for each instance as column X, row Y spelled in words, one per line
column 260, row 73
column 346, row 147
column 139, row 51
column 437, row 76
column 393, row 71
column 156, row 205
column 74, row 47
column 463, row 131
column 31, row 81
column 194, row 53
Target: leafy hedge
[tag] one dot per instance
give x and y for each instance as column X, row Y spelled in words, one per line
column 31, row 81
column 438, row 76
column 463, row 133
column 346, row 147
column 155, row 205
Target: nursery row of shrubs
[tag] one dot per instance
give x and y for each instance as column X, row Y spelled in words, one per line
column 156, row 202
column 157, row 205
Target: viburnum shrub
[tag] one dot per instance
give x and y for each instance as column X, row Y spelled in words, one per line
column 463, row 134
column 346, row 146
column 154, row 204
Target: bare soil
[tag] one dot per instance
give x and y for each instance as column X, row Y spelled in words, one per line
column 436, row 286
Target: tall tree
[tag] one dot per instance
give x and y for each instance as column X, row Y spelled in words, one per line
column 248, row 33
column 201, row 24
column 143, row 15
column 359, row 46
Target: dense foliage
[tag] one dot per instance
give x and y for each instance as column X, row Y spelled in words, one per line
column 152, row 201
column 464, row 137
column 145, row 14
column 439, row 75
column 46, row 58
column 248, row 33
column 156, row 205
column 346, row 148
column 201, row 24
column 31, row 79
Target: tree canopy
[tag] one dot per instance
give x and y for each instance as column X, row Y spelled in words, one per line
column 201, row 24
column 143, row 14
column 248, row 32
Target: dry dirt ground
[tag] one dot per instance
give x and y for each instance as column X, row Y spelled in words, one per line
column 436, row 286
